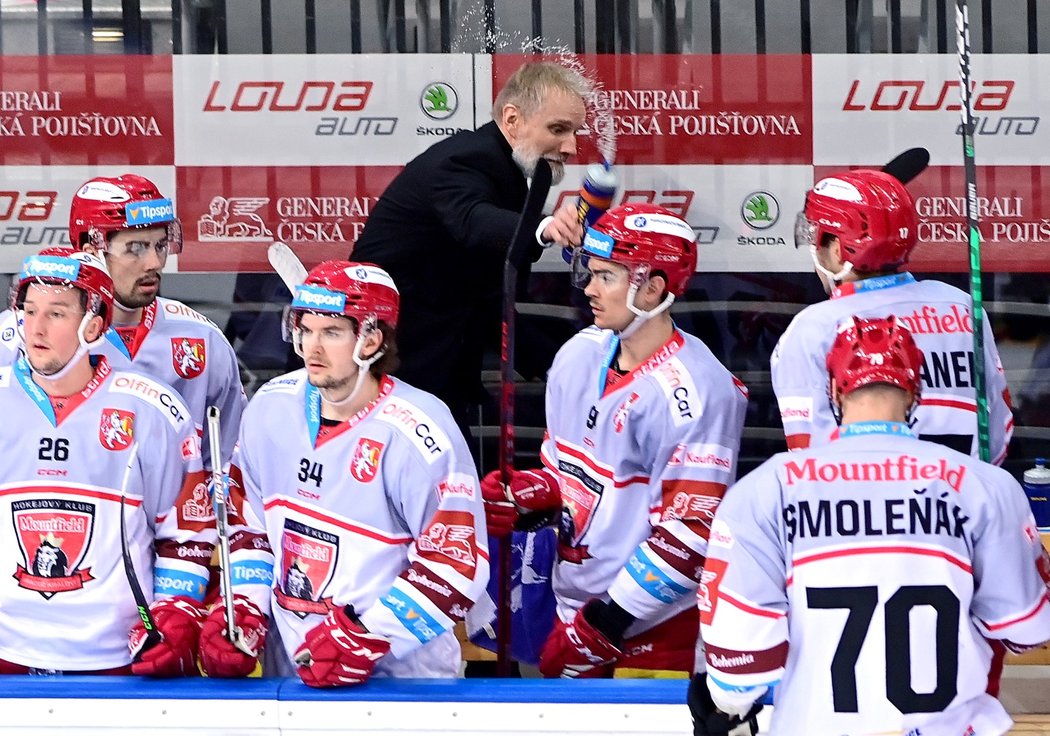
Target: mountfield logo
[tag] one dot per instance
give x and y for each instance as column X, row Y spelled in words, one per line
column 903, row 468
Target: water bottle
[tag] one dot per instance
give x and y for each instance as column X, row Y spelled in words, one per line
column 1037, row 486
column 595, row 197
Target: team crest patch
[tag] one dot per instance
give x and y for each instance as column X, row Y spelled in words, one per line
column 450, row 540
column 116, row 429
column 53, row 535
column 308, row 561
column 580, row 494
column 188, row 356
column 624, row 411
column 365, row 463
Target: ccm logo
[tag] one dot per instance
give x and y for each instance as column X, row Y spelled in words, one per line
column 912, row 94
column 310, row 96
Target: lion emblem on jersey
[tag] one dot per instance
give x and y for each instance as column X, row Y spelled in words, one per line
column 365, row 463
column 116, row 429
column 53, row 536
column 188, row 356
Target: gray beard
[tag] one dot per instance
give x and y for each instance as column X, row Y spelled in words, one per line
column 527, row 163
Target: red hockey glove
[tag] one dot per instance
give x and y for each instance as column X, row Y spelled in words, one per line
column 179, row 623
column 533, row 493
column 339, row 651
column 219, row 657
column 578, row 649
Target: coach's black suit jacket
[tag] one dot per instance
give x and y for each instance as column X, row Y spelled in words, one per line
column 441, row 229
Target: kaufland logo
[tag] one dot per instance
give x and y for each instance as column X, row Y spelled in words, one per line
column 312, row 297
column 145, row 213
column 50, row 266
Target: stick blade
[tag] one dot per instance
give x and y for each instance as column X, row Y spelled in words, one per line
column 286, row 265
column 907, row 165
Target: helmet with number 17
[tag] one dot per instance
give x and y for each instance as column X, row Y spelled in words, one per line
column 107, row 205
column 870, row 212
column 869, row 351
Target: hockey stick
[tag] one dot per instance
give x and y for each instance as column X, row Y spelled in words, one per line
column 519, row 246
column 962, row 24
column 218, row 502
column 907, row 165
column 153, row 636
column 287, row 265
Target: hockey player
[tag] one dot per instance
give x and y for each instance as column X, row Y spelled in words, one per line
column 127, row 221
column 860, row 226
column 368, row 495
column 66, row 603
column 643, row 430
column 864, row 576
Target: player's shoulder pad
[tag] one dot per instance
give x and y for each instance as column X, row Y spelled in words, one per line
column 176, row 311
column 153, row 393
column 585, row 342
column 5, row 375
column 289, row 383
column 421, row 418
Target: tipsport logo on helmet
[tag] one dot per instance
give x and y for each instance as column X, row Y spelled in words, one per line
column 149, row 212
column 50, row 267
column 316, row 298
column 598, row 244
column 662, row 224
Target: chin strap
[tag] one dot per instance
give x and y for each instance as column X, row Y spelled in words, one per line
column 82, row 349
column 363, row 364
column 641, row 316
column 831, row 279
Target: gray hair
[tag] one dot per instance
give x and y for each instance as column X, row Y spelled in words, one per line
column 528, row 87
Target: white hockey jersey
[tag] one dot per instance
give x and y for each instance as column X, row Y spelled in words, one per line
column 643, row 465
column 65, row 602
column 863, row 577
column 939, row 318
column 382, row 512
column 178, row 346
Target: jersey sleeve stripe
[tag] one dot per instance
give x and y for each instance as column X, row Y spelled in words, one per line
column 950, row 403
column 600, row 470
column 1043, row 601
column 899, row 549
column 363, row 531
column 751, row 608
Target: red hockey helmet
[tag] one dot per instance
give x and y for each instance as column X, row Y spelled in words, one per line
column 358, row 290
column 870, row 212
column 73, row 269
column 647, row 239
column 105, row 205
column 868, row 351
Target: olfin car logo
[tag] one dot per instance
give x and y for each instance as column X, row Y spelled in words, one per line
column 439, row 100
column 760, row 210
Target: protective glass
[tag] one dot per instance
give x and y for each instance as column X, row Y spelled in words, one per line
column 171, row 243
column 606, row 272
column 805, row 232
